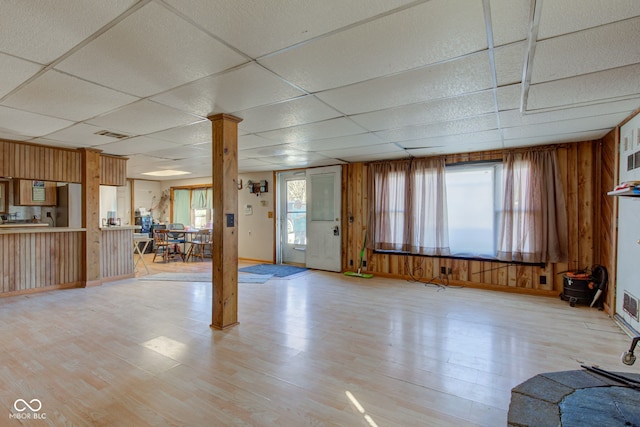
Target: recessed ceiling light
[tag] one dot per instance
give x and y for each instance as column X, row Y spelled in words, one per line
column 167, row 172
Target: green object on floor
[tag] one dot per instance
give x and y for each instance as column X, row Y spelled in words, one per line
column 359, row 273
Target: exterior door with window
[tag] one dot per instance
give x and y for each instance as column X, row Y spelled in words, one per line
column 324, row 249
column 293, row 218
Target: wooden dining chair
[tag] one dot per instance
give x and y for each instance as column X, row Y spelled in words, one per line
column 201, row 241
column 164, row 246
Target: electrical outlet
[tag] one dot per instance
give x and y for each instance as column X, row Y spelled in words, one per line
column 443, row 270
column 351, row 263
column 543, row 280
column 364, row 262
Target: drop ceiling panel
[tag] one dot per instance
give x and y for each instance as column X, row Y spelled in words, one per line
column 149, row 52
column 195, row 133
column 144, row 117
column 81, row 135
column 457, row 148
column 408, row 39
column 516, row 118
column 509, row 63
column 326, row 129
column 298, row 111
column 590, row 88
column 566, row 126
column 451, row 78
column 509, row 20
column 60, row 95
column 295, row 160
column 43, row 31
column 271, row 151
column 454, row 127
column 16, row 124
column 248, row 164
column 242, row 22
column 431, row 112
column 14, row 71
column 350, row 141
column 557, row 139
column 245, row 87
column 583, row 13
column 493, row 136
column 345, row 153
column 246, row 142
column 587, row 51
column 137, row 145
column 509, row 97
column 372, row 156
column 190, row 154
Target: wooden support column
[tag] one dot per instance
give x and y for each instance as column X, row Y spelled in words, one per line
column 90, row 174
column 225, row 221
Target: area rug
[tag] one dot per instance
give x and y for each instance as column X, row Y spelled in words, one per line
column 204, row 277
column 277, row 270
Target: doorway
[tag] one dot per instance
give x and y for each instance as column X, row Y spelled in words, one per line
column 309, row 218
column 292, row 223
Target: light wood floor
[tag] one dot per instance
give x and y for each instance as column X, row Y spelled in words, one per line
column 321, row 350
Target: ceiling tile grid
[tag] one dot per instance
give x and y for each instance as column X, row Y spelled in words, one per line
column 329, row 82
column 60, row 95
column 411, row 38
column 149, row 52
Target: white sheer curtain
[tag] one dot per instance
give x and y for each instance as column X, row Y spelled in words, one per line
column 429, row 228
column 534, row 219
column 407, row 207
column 388, row 206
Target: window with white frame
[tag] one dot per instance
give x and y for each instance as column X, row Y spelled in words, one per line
column 474, row 197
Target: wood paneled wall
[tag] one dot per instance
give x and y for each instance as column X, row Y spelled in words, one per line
column 578, row 169
column 117, row 254
column 32, row 161
column 607, row 232
column 38, row 260
column 113, row 170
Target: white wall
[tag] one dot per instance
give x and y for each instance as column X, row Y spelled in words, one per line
column 146, row 194
column 256, row 230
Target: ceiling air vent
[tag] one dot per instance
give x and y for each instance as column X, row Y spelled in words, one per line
column 112, row 134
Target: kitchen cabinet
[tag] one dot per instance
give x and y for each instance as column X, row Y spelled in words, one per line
column 28, row 192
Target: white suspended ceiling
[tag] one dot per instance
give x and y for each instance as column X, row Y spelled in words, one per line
column 315, row 82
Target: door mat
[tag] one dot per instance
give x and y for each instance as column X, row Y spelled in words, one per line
column 204, row 277
column 277, row 270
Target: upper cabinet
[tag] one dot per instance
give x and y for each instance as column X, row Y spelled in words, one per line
column 34, row 193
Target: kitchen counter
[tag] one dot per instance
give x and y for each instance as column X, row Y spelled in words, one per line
column 25, row 224
column 34, row 228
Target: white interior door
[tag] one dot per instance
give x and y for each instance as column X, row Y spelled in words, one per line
column 324, row 218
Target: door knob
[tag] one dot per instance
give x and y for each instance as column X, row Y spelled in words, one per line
column 336, row 231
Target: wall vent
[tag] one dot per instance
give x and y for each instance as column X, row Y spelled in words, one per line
column 112, row 134
column 630, row 305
